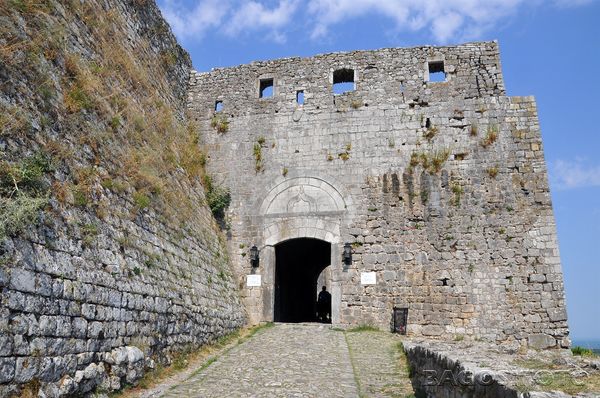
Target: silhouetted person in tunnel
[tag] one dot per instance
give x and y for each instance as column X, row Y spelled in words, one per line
column 324, row 306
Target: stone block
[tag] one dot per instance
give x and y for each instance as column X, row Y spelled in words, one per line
column 26, row 369
column 537, row 278
column 557, row 314
column 432, row 330
column 541, row 341
column 7, row 369
column 22, row 280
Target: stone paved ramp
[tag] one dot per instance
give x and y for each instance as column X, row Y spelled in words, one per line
column 298, row 360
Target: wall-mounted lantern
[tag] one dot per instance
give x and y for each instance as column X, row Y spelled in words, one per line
column 347, row 255
column 254, row 259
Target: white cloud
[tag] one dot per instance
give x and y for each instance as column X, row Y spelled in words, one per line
column 253, row 15
column 445, row 19
column 192, row 22
column 570, row 174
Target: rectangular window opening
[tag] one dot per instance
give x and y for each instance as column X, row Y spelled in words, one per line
column 300, row 97
column 218, row 106
column 436, row 72
column 266, row 88
column 343, row 81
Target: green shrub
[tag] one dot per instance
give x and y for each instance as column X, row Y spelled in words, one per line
column 220, row 123
column 584, row 352
column 18, row 212
column 141, row 200
column 258, row 158
column 217, row 197
column 23, row 192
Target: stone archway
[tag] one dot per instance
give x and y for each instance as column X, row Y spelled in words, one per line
column 301, row 207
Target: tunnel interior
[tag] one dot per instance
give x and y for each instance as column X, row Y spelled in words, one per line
column 299, row 262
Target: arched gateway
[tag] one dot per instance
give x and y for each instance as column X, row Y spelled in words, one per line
column 301, row 220
column 445, row 210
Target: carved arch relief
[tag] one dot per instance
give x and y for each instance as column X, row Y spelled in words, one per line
column 302, row 195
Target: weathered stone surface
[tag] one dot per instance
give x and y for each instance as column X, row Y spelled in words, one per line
column 541, row 341
column 557, row 314
column 440, row 188
column 474, row 370
column 92, row 279
column 7, row 369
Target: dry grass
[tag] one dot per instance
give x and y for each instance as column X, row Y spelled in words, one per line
column 490, row 137
column 492, row 171
column 432, row 162
column 115, row 104
column 548, row 376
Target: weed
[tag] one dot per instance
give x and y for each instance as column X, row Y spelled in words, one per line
column 356, row 104
column 217, row 197
column 474, row 130
column 284, row 172
column 329, row 157
column 432, row 162
column 220, row 123
column 89, row 232
column 492, row 171
column 80, row 197
column 457, row 189
column 18, row 212
column 415, row 159
column 141, row 200
column 115, row 122
column 23, row 192
column 491, row 136
column 363, row 328
column 581, row 351
column 430, row 133
column 258, row 158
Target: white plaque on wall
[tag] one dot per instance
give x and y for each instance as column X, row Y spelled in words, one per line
column 252, row 280
column 368, row 278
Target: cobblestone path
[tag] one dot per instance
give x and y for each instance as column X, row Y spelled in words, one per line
column 301, row 360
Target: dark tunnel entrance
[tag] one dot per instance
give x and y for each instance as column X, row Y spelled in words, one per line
column 299, row 266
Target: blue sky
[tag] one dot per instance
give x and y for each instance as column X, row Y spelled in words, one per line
column 550, row 49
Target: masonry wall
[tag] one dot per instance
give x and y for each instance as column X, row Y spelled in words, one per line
column 123, row 266
column 442, row 186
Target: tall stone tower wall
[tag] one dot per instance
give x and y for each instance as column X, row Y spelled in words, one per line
column 440, row 187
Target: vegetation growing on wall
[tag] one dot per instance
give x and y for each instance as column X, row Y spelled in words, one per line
column 491, row 136
column 220, row 123
column 112, row 109
column 218, row 198
column 23, row 192
column 432, row 162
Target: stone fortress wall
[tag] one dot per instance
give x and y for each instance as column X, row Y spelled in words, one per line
column 440, row 187
column 94, row 299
